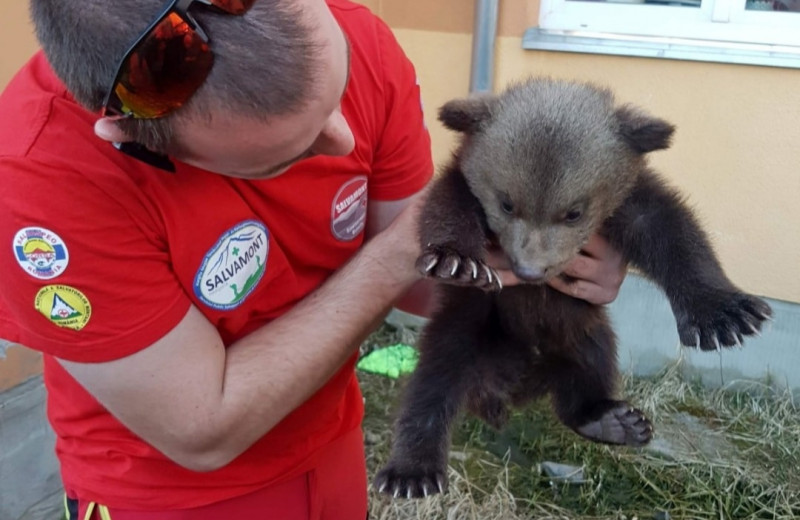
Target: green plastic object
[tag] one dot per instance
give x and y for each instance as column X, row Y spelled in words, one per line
column 391, row 361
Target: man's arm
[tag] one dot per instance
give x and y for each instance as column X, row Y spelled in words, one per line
column 202, row 404
column 420, row 298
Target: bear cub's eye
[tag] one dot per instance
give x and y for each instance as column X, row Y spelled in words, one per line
column 573, row 216
column 506, row 204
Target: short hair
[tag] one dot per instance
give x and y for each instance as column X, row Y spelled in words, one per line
column 264, row 61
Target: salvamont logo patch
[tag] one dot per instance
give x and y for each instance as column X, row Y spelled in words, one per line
column 233, row 267
column 349, row 209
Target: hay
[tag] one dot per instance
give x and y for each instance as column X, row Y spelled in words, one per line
column 728, row 453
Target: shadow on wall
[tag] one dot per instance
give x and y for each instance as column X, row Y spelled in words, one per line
column 648, row 341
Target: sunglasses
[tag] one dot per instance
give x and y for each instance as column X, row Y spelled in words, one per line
column 167, row 64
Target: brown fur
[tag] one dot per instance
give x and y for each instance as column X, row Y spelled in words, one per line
column 540, row 168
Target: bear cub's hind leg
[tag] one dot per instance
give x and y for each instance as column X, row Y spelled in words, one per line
column 583, row 391
column 434, row 395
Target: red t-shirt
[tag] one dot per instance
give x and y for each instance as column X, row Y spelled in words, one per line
column 104, row 255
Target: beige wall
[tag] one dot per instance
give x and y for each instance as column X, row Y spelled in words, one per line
column 17, row 42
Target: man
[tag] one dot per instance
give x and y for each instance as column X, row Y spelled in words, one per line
column 200, row 297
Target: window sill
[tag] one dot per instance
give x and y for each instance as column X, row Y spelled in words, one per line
column 667, row 48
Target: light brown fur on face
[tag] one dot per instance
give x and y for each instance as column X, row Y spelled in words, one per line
column 546, row 177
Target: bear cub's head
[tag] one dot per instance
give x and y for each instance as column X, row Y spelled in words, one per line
column 549, row 161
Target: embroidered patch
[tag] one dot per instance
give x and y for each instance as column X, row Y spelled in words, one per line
column 233, row 267
column 40, row 252
column 349, row 209
column 64, row 305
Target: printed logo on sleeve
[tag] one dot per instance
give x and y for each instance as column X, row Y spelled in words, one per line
column 40, row 252
column 233, row 267
column 349, row 209
column 64, row 306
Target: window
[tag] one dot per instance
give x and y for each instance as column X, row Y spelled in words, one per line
column 758, row 25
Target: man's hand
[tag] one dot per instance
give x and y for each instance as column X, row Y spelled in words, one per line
column 595, row 275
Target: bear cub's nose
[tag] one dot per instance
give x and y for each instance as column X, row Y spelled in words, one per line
column 528, row 273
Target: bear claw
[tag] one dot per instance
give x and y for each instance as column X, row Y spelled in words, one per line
column 721, row 319
column 449, row 266
column 621, row 424
column 410, row 483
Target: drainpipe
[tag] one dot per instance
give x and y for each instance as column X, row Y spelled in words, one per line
column 483, row 42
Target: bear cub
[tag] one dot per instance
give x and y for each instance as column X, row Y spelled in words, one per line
column 540, row 168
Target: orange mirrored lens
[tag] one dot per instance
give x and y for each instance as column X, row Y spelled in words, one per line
column 165, row 69
column 233, row 6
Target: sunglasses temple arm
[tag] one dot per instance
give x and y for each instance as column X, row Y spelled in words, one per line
column 141, row 153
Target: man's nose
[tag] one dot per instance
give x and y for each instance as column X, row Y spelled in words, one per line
column 336, row 138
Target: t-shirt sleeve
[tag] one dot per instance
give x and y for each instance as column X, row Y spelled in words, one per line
column 87, row 275
column 403, row 163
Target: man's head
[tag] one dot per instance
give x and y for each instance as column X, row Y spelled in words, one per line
column 271, row 98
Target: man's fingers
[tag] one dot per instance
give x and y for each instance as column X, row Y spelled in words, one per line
column 582, row 267
column 595, row 275
column 597, row 247
column 507, row 277
column 497, row 260
column 583, row 290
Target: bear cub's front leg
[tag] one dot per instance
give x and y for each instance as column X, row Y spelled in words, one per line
column 660, row 235
column 453, row 236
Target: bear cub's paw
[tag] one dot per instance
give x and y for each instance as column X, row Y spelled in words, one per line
column 721, row 318
column 449, row 266
column 619, row 423
column 402, row 481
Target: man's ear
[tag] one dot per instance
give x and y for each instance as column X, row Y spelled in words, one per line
column 467, row 115
column 106, row 128
column 642, row 132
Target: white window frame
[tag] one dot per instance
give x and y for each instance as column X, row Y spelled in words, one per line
column 721, row 21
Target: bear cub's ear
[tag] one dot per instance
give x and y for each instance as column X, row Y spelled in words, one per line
column 642, row 132
column 466, row 115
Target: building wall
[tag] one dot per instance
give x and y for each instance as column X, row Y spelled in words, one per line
column 17, row 41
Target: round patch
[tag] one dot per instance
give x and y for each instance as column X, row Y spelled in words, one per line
column 349, row 209
column 40, row 252
column 233, row 267
column 64, row 305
